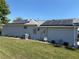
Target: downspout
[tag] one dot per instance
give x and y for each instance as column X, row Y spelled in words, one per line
column 47, row 33
column 75, row 41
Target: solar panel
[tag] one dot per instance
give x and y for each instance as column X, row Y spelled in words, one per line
column 58, row 22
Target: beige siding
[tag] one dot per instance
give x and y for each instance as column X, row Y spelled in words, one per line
column 67, row 34
column 64, row 34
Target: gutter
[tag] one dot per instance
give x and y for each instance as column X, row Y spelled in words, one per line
column 56, row 26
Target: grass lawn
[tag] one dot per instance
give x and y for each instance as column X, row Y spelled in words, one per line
column 26, row 49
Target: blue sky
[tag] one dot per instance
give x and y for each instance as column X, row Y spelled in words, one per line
column 44, row 9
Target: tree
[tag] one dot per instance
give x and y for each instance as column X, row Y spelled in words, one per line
column 5, row 20
column 4, row 11
column 17, row 19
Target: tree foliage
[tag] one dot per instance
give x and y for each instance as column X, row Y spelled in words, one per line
column 17, row 19
column 4, row 11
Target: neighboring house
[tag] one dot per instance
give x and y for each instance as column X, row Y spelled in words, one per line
column 59, row 30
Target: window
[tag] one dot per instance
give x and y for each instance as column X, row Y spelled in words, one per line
column 34, row 31
column 25, row 27
column 38, row 29
column 44, row 31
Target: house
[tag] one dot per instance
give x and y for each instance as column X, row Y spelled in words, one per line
column 20, row 28
column 64, row 30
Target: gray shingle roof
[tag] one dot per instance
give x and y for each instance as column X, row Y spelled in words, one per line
column 28, row 22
